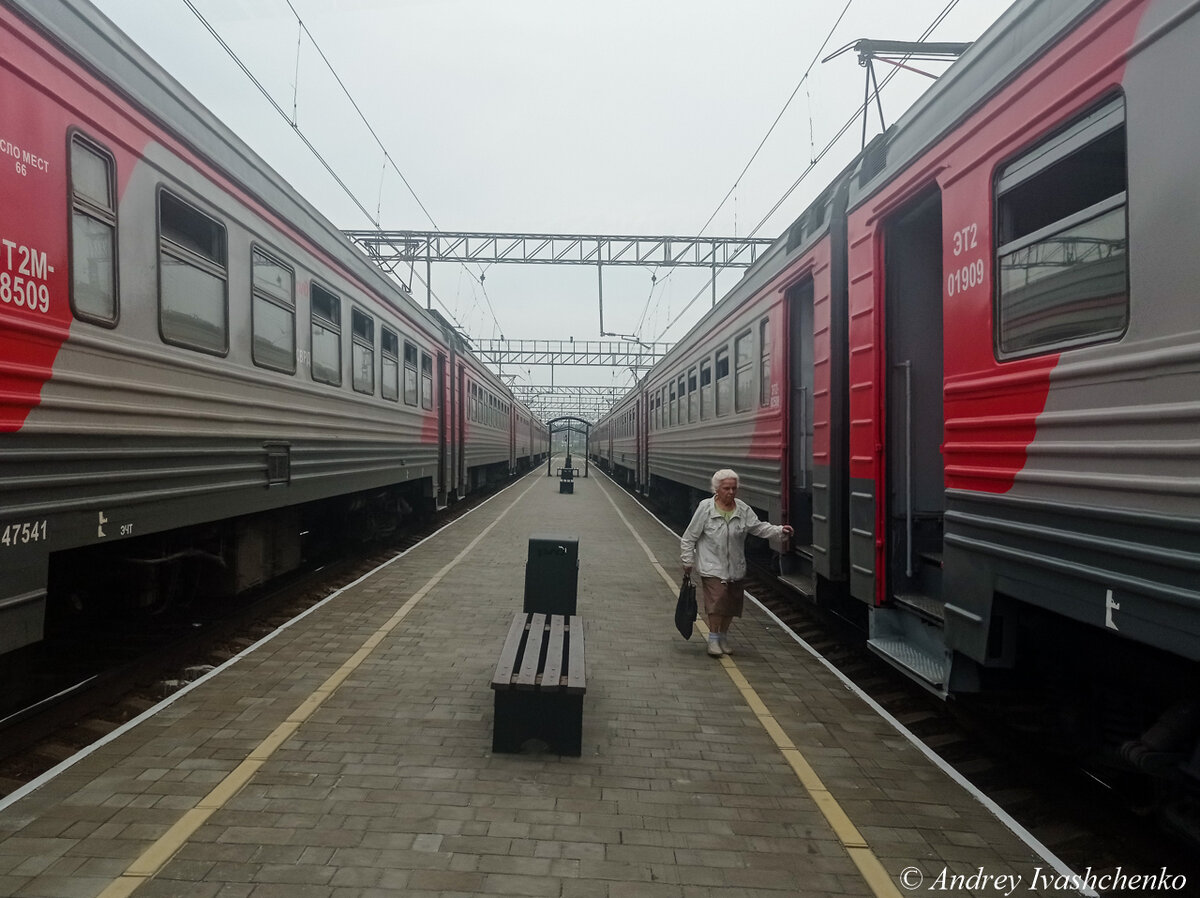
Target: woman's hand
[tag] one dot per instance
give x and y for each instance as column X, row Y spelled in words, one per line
column 788, row 531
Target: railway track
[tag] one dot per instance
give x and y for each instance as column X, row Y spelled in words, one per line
column 114, row 677
column 1068, row 808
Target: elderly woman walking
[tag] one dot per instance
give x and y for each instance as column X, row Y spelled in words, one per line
column 715, row 543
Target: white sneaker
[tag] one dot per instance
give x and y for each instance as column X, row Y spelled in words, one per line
column 714, row 648
column 724, row 642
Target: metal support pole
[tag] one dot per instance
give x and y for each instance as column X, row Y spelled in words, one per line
column 428, row 277
column 714, row 274
column 878, row 99
column 866, row 107
column 600, row 285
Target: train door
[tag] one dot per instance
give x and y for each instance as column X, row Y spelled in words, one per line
column 915, row 496
column 461, row 442
column 443, row 392
column 644, row 443
column 797, row 567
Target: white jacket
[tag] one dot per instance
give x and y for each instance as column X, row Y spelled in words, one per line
column 721, row 544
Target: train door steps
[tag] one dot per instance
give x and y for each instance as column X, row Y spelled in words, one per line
column 800, row 582
column 926, row 607
column 539, row 684
column 933, row 669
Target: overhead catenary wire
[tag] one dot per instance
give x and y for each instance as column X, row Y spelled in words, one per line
column 386, row 155
column 293, row 122
column 887, row 78
column 804, row 174
column 762, row 143
column 253, row 80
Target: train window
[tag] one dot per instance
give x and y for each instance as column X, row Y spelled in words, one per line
column 764, row 363
column 389, row 364
column 426, row 381
column 410, row 374
column 1061, row 239
column 192, row 277
column 743, row 351
column 326, row 336
column 706, row 390
column 682, row 387
column 93, row 234
column 273, row 313
column 723, row 391
column 673, row 407
column 362, row 351
column 693, row 397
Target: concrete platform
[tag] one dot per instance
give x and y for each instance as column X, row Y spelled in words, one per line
column 349, row 756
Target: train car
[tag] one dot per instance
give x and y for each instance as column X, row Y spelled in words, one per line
column 989, row 395
column 1023, row 469
column 613, row 442
column 198, row 372
column 486, row 412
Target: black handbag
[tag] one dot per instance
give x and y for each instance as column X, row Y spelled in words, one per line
column 685, row 608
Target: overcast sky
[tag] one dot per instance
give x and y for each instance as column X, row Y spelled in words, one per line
column 553, row 116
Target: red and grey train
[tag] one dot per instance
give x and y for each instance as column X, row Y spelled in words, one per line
column 969, row 376
column 196, row 368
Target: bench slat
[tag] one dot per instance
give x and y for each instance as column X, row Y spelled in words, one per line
column 505, row 667
column 554, row 653
column 527, row 678
column 576, row 682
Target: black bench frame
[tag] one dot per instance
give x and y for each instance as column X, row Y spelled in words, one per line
column 566, row 481
column 540, row 683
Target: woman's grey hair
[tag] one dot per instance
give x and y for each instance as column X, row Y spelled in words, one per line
column 723, row 474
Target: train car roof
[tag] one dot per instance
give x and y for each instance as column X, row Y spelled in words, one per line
column 87, row 34
column 1021, row 34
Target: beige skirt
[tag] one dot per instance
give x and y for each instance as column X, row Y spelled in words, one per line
column 724, row 598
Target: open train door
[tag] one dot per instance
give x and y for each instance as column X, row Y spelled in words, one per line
column 796, row 567
column 443, row 406
column 818, row 409
column 908, row 629
column 915, row 419
column 643, row 442
column 460, row 442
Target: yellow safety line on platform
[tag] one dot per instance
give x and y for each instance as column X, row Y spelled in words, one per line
column 872, row 871
column 154, row 858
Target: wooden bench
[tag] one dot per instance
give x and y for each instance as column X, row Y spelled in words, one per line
column 540, row 683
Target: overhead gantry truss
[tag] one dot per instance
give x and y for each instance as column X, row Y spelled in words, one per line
column 588, row 402
column 392, row 249
column 530, row 392
column 591, row 410
column 596, row 353
column 389, row 249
